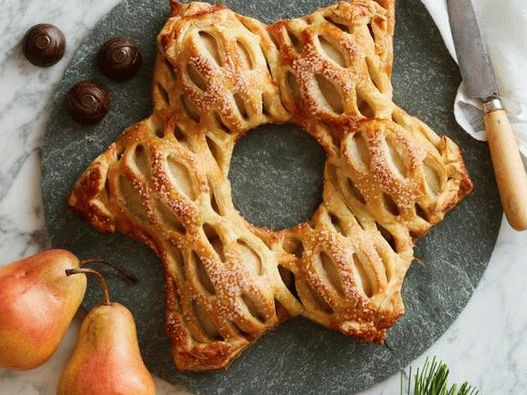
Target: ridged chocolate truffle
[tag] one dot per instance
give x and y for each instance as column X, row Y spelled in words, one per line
column 44, row 45
column 120, row 58
column 88, row 102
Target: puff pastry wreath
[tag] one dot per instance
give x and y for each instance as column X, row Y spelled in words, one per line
column 387, row 179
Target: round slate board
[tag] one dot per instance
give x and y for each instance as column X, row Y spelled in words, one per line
column 276, row 179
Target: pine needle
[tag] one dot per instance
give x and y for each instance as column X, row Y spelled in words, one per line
column 432, row 379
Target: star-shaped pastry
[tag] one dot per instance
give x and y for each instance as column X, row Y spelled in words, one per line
column 387, row 179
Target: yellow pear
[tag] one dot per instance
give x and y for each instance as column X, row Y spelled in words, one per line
column 37, row 303
column 106, row 359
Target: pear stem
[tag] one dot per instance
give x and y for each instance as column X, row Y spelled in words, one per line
column 126, row 275
column 100, row 277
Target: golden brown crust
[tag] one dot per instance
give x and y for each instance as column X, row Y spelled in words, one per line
column 387, row 180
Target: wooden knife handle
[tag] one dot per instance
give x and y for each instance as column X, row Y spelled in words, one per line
column 508, row 168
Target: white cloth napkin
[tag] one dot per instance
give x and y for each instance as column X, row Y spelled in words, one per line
column 504, row 27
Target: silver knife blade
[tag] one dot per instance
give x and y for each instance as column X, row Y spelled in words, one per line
column 474, row 63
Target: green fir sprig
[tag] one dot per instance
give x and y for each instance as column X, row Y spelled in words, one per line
column 432, row 379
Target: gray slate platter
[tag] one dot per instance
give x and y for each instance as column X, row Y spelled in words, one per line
column 276, row 178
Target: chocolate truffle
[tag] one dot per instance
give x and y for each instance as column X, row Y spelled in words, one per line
column 119, row 58
column 88, row 102
column 44, row 45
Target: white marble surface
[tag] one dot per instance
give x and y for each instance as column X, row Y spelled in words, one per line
column 486, row 345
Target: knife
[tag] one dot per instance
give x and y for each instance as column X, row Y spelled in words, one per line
column 480, row 83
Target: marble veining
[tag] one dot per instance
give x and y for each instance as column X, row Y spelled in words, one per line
column 486, row 345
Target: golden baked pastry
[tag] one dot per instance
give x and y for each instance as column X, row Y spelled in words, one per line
column 388, row 177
